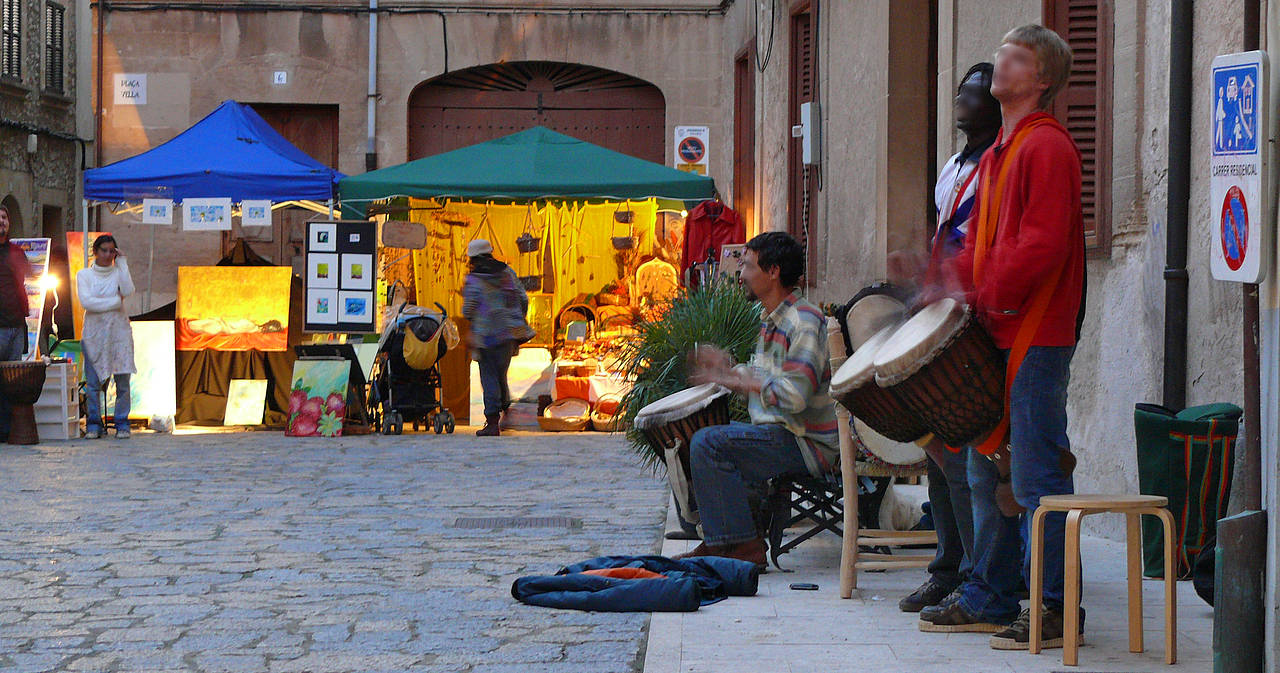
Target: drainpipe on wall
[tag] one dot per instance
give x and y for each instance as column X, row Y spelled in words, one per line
column 371, row 146
column 1175, row 269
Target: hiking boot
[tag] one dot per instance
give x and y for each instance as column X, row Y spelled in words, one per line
column 122, row 433
column 752, row 551
column 92, row 434
column 955, row 619
column 930, row 593
column 490, row 428
column 1017, row 636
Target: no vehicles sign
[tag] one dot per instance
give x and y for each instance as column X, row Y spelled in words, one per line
column 1241, row 225
column 691, row 149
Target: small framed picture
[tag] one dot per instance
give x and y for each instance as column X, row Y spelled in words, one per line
column 157, row 211
column 322, row 236
column 206, row 214
column 355, row 306
column 357, row 272
column 322, row 270
column 322, row 307
column 255, row 213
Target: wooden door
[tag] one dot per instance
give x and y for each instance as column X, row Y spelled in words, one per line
column 599, row 106
column 314, row 130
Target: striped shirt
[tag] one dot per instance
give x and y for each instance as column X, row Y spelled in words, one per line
column 793, row 366
column 954, row 198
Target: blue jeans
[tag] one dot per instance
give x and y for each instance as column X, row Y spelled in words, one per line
column 494, row 363
column 724, row 459
column 93, row 399
column 1038, row 434
column 952, row 510
column 13, row 340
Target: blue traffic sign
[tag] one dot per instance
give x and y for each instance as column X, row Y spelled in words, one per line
column 1235, row 110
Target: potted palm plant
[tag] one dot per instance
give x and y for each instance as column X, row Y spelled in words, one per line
column 716, row 313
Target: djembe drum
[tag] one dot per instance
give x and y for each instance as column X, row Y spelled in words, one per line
column 21, row 383
column 669, row 423
column 945, row 368
column 854, row 387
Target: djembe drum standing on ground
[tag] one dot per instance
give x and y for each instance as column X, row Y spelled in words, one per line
column 21, row 383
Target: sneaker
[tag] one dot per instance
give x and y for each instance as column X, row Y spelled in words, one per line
column 955, row 619
column 930, row 593
column 1018, row 634
column 122, row 433
column 92, row 434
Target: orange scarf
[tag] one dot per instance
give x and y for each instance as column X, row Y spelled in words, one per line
column 985, row 232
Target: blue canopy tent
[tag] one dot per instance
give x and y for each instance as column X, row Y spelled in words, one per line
column 231, row 153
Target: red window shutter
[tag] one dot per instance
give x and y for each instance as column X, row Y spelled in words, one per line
column 1084, row 106
column 802, row 73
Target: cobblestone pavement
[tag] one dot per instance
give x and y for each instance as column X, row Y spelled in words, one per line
column 256, row 552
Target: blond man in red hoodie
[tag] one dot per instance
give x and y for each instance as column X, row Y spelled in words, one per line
column 1022, row 270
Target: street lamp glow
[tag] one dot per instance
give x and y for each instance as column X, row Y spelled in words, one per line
column 49, row 281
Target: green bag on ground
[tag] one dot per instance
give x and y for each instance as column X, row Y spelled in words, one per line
column 1186, row 456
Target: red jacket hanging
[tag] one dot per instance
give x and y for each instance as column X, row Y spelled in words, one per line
column 710, row 226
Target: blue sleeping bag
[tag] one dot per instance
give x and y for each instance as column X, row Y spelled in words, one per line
column 687, row 584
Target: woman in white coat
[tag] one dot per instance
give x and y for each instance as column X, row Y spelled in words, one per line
column 108, row 340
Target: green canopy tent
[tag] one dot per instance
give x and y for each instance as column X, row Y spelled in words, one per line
column 534, row 164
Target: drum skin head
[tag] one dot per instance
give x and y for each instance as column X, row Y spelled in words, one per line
column 916, row 343
column 859, row 369
column 678, row 405
column 871, row 314
column 894, row 453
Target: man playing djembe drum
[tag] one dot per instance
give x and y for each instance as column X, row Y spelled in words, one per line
column 793, row 421
column 977, row 115
column 1022, row 270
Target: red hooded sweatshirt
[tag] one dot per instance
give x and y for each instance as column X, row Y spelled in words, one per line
column 1039, row 227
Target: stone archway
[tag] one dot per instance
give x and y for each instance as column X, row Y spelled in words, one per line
column 600, row 106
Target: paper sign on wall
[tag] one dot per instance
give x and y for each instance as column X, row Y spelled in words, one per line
column 131, row 89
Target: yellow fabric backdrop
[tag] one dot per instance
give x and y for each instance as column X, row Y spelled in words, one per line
column 577, row 243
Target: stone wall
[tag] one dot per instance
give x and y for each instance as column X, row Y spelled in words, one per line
column 30, row 182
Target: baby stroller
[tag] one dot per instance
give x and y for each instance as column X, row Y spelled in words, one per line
column 405, row 381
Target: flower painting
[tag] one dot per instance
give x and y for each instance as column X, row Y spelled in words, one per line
column 318, row 401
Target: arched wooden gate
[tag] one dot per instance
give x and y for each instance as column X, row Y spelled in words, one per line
column 599, row 106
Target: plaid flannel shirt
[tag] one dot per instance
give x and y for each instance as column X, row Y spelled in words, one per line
column 793, row 366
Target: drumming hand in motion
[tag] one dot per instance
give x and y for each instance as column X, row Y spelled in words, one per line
column 711, row 364
column 910, row 269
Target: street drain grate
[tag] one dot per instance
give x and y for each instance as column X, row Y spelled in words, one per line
column 518, row 522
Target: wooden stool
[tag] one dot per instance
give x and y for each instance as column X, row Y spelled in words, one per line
column 1077, row 507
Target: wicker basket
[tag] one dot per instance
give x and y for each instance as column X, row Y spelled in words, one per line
column 528, row 243
column 566, row 415
column 606, row 422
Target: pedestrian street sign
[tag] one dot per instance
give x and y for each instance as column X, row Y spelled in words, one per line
column 1239, row 159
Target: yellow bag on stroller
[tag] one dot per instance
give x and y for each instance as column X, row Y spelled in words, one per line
column 420, row 354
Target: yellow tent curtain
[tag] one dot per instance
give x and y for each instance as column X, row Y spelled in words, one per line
column 576, row 254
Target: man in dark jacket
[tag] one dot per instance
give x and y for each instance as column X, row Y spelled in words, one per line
column 495, row 303
column 13, row 307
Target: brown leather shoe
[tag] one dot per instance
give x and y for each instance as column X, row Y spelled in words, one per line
column 751, row 551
